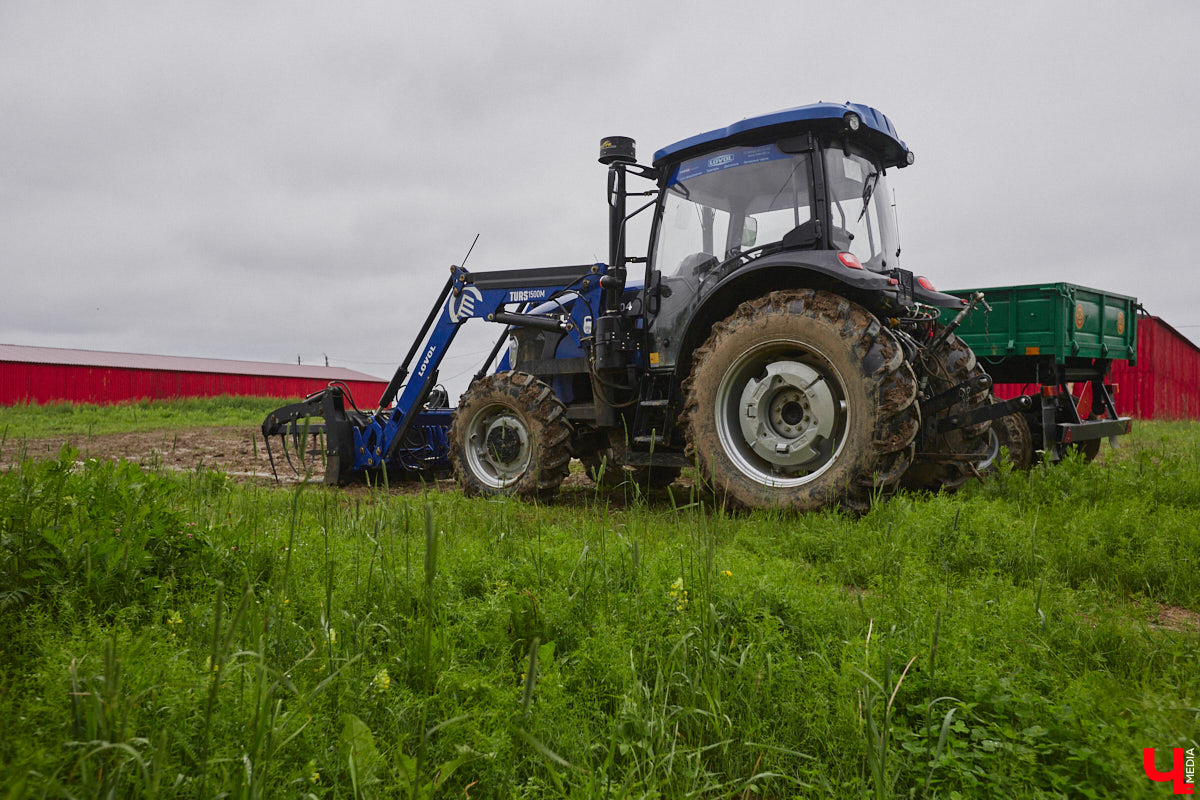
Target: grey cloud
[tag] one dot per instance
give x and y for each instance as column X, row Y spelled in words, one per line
column 256, row 181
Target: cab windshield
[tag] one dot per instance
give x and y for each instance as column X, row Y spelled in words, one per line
column 720, row 204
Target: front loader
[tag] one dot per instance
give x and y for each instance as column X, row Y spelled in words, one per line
column 768, row 336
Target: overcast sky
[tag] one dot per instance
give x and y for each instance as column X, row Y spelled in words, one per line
column 265, row 181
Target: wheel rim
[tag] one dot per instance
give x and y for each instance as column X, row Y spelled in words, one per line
column 498, row 446
column 781, row 413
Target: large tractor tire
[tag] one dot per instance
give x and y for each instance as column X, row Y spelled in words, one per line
column 800, row 400
column 510, row 436
column 948, row 460
column 604, row 470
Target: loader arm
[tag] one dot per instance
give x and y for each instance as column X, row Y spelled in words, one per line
column 402, row 431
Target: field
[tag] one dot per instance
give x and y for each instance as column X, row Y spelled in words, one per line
column 169, row 629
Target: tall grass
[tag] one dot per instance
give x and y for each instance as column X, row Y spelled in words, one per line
column 180, row 635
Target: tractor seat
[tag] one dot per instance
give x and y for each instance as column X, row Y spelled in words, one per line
column 697, row 264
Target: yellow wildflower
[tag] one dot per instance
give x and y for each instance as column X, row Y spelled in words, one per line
column 678, row 594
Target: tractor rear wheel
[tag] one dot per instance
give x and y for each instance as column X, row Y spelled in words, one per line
column 949, row 459
column 509, row 436
column 800, row 400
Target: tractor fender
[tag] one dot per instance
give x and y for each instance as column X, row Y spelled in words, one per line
column 788, row 270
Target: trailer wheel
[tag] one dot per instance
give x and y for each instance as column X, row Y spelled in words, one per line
column 509, row 436
column 614, row 474
column 1089, row 449
column 800, row 400
column 948, row 460
column 1013, row 432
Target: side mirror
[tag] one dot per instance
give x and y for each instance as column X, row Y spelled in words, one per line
column 749, row 232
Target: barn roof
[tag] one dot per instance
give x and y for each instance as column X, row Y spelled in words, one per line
column 1175, row 331
column 143, row 361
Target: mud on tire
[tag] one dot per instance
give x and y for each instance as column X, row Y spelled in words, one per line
column 800, row 400
column 510, row 436
column 943, row 460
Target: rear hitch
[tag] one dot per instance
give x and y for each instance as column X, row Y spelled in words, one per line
column 989, row 412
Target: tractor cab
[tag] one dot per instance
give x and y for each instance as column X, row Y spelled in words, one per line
column 809, row 178
column 813, row 177
column 739, row 202
column 801, row 191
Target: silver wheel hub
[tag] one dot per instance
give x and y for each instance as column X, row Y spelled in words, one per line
column 498, row 449
column 788, row 414
column 781, row 413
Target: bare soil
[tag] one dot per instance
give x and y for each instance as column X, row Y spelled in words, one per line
column 237, row 451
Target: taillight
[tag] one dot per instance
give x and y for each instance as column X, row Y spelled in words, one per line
column 926, row 283
column 850, row 260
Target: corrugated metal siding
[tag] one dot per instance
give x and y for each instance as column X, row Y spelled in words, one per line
column 43, row 383
column 1164, row 384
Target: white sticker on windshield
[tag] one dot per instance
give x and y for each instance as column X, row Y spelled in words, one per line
column 852, row 169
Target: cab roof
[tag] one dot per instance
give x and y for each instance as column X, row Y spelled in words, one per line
column 877, row 130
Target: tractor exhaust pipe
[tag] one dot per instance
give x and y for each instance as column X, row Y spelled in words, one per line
column 616, row 152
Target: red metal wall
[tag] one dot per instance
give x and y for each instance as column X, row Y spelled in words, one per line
column 44, row 383
column 1164, row 384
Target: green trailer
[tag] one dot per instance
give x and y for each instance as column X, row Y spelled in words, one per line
column 1056, row 342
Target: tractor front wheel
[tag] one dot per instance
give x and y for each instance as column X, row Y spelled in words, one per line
column 509, row 436
column 800, row 400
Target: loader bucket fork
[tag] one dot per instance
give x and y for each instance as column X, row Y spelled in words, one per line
column 292, row 422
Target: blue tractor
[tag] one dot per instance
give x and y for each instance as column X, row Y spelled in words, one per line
column 769, row 337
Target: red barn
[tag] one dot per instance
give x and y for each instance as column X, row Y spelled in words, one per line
column 1165, row 382
column 49, row 374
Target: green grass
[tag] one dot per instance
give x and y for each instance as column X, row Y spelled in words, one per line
column 167, row 635
column 65, row 419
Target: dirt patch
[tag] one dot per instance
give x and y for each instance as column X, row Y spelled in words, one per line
column 236, row 451
column 239, row 452
column 1180, row 620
